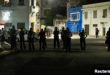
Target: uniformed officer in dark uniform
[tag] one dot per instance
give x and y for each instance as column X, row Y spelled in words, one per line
column 83, row 40
column 68, row 35
column 22, row 41
column 31, row 39
column 13, row 38
column 56, row 38
column 42, row 41
column 107, row 41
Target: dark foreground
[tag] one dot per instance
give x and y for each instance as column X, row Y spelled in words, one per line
column 57, row 61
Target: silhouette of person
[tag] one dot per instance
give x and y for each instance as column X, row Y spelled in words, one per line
column 68, row 35
column 31, row 39
column 63, row 37
column 83, row 40
column 107, row 41
column 22, row 41
column 97, row 32
column 46, row 34
column 13, row 38
column 56, row 38
column 42, row 41
column 2, row 36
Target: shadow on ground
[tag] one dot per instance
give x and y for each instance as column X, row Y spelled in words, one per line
column 54, row 66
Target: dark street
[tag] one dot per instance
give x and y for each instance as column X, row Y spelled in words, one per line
column 57, row 61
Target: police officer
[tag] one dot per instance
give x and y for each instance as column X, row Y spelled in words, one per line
column 68, row 35
column 42, row 41
column 31, row 39
column 13, row 38
column 83, row 40
column 107, row 41
column 63, row 36
column 22, row 41
column 56, row 38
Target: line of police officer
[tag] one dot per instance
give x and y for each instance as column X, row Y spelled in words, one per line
column 65, row 36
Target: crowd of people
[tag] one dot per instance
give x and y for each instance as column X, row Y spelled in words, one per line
column 12, row 36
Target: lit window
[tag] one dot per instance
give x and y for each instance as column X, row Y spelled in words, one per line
column 6, row 15
column 75, row 16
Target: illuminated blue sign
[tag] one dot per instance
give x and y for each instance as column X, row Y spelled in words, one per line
column 74, row 20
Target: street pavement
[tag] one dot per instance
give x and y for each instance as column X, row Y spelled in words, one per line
column 57, row 61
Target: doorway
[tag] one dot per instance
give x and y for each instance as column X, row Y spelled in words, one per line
column 103, row 31
column 87, row 29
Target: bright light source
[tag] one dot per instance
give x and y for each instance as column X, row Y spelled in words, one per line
column 6, row 0
column 6, row 15
column 37, row 9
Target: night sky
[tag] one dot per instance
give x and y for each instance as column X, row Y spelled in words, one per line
column 93, row 1
column 62, row 4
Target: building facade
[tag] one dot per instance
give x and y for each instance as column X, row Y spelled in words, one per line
column 20, row 13
column 59, row 22
column 96, row 16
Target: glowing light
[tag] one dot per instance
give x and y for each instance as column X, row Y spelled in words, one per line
column 6, row 15
column 7, row 1
column 37, row 9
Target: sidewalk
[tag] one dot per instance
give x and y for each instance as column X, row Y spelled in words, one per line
column 76, row 36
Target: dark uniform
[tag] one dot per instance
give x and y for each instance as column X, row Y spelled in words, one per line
column 68, row 35
column 22, row 41
column 31, row 39
column 107, row 41
column 63, row 37
column 56, row 38
column 13, row 38
column 42, row 41
column 83, row 40
column 97, row 32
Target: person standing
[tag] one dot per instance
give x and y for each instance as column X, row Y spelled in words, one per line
column 63, row 37
column 42, row 41
column 68, row 35
column 107, row 41
column 56, row 38
column 31, row 39
column 97, row 32
column 46, row 34
column 13, row 38
column 83, row 40
column 22, row 41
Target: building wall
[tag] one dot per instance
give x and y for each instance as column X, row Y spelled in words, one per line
column 100, row 20
column 28, row 14
column 60, row 23
column 17, row 13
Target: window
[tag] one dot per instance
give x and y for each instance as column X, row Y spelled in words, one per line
column 95, row 14
column 32, row 2
column 94, row 25
column 8, row 25
column 20, row 25
column 86, row 15
column 104, row 13
column 21, row 2
column 75, row 16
